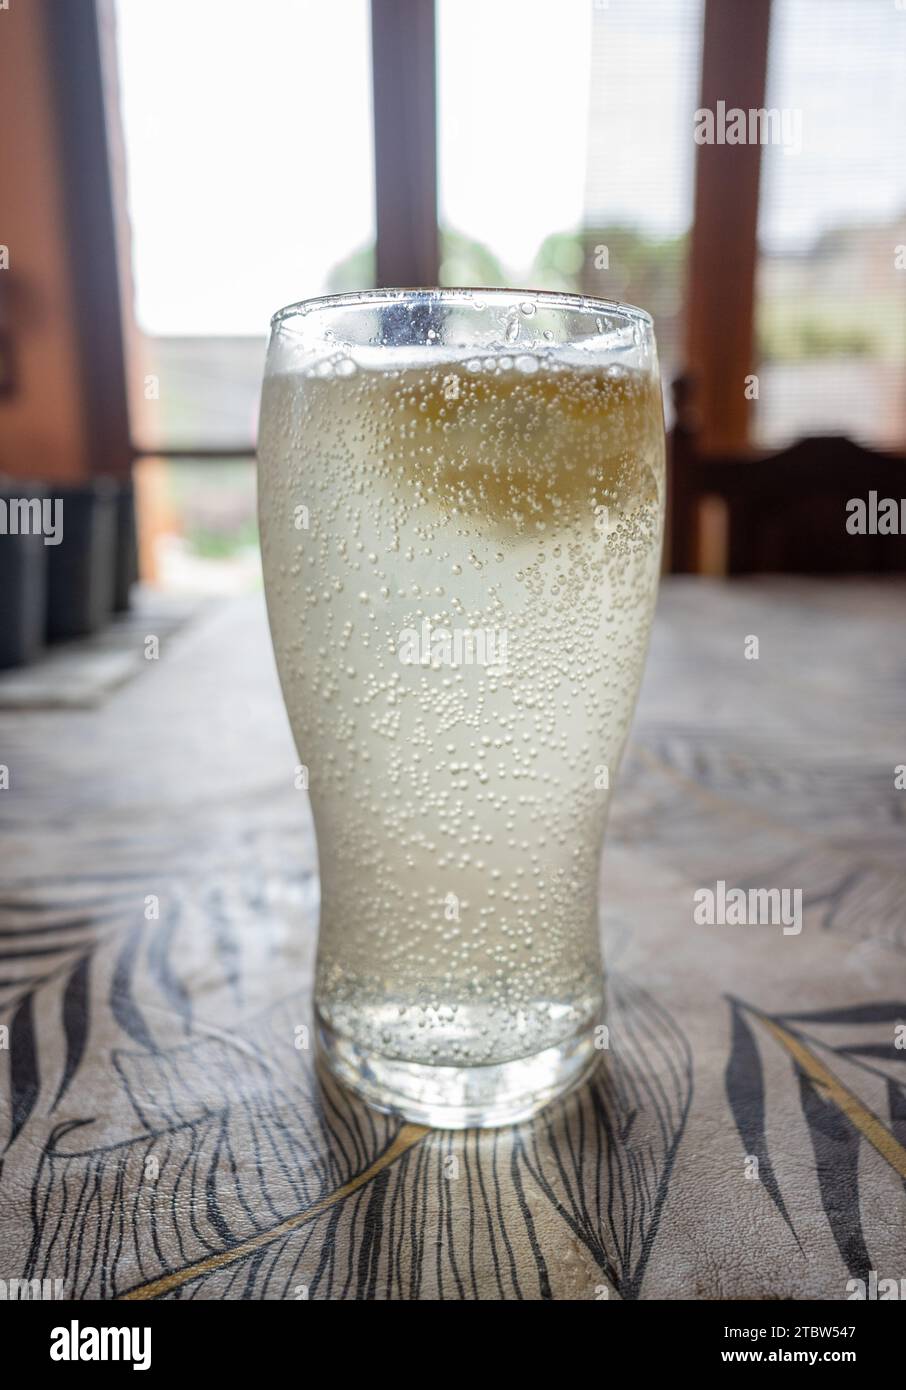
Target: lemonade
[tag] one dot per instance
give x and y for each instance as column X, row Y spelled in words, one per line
column 460, row 623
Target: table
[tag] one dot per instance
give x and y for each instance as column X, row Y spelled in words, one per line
column 164, row 1136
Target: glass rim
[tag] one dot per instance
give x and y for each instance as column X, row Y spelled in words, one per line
column 460, row 294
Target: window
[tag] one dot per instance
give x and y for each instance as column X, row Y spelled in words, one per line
column 831, row 302
column 565, row 148
column 249, row 182
column 566, row 161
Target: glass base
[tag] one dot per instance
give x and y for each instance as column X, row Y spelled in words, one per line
column 460, row 1097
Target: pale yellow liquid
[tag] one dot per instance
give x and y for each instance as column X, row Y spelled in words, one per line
column 460, row 810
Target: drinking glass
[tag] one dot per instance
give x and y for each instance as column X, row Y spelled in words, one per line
column 461, row 503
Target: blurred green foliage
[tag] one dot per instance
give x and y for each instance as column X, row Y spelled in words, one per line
column 617, row 261
column 796, row 327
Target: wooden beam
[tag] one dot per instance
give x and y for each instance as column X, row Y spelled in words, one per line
column 723, row 253
column 405, row 142
column 90, row 220
column 44, row 430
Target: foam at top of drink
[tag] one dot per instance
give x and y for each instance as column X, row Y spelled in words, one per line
column 491, row 438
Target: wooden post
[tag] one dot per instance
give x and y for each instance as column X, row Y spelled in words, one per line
column 405, row 142
column 723, row 253
column 74, row 37
column 681, row 534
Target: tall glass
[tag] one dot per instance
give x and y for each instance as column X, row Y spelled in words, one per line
column 461, row 502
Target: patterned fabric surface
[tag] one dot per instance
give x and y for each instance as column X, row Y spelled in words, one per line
column 164, row 1136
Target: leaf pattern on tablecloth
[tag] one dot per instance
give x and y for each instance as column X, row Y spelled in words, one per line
column 250, row 1166
column 838, row 1121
